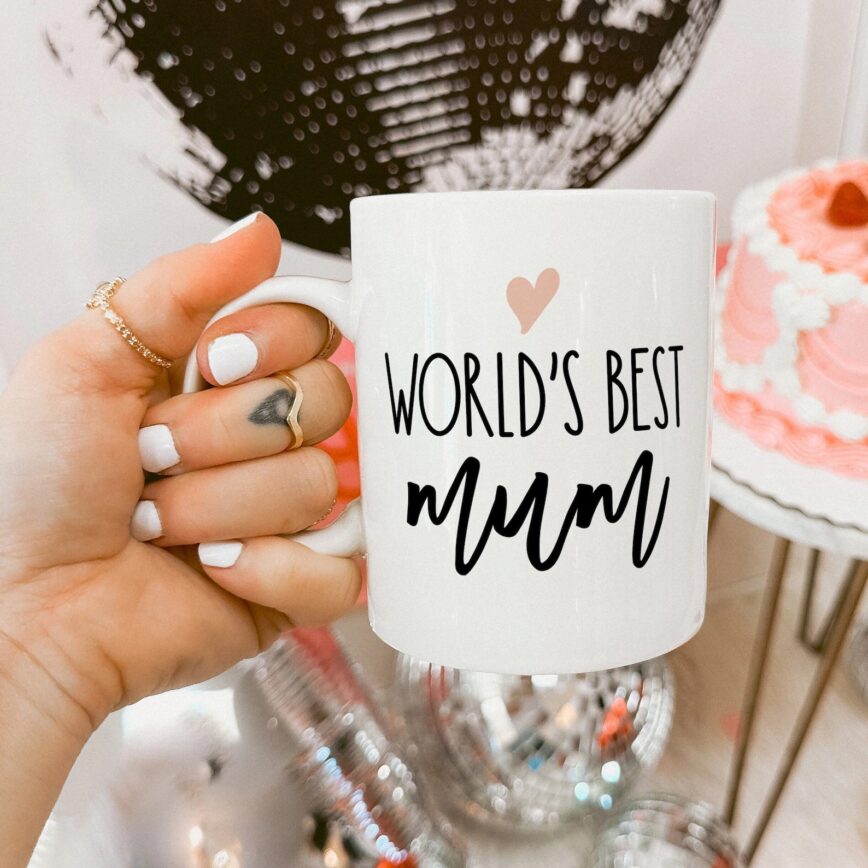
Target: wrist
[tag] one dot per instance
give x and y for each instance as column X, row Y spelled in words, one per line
column 41, row 733
column 40, row 685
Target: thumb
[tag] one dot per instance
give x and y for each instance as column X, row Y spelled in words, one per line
column 165, row 306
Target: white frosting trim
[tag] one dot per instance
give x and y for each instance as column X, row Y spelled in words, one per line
column 803, row 301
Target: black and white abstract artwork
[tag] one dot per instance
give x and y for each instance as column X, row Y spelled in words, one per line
column 296, row 106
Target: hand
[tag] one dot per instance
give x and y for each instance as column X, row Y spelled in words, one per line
column 102, row 598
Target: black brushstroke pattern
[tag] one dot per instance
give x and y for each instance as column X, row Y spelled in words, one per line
column 277, row 88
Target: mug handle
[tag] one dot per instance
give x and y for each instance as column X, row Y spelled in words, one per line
column 345, row 536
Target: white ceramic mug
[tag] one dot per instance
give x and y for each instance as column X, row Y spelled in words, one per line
column 533, row 374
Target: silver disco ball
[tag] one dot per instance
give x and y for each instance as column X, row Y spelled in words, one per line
column 666, row 832
column 534, row 751
column 326, row 727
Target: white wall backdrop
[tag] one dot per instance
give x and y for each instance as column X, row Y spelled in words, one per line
column 77, row 206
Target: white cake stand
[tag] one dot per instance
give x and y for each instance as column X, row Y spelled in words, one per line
column 804, row 504
column 800, row 504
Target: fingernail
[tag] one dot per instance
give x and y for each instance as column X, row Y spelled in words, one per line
column 237, row 226
column 145, row 524
column 220, row 554
column 232, row 357
column 157, row 448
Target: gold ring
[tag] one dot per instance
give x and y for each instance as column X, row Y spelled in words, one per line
column 326, row 347
column 100, row 299
column 292, row 422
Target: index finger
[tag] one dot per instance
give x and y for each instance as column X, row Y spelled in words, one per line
column 259, row 341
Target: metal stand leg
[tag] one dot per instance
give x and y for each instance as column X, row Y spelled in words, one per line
column 854, row 585
column 837, row 606
column 808, row 601
column 818, row 643
column 762, row 642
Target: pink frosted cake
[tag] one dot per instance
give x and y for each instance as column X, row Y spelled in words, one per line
column 791, row 355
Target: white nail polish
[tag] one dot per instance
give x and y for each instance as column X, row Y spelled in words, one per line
column 232, row 357
column 237, row 226
column 157, row 448
column 146, row 524
column 220, row 554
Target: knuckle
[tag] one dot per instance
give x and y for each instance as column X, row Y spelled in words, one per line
column 330, row 385
column 313, row 326
column 183, row 515
column 226, row 431
column 163, row 278
column 351, row 585
column 328, row 476
column 183, row 305
column 339, row 389
column 320, row 474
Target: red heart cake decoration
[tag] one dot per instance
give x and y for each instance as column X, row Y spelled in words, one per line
column 849, row 206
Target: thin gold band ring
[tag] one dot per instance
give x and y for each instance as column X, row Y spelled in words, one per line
column 100, row 300
column 330, row 337
column 292, row 422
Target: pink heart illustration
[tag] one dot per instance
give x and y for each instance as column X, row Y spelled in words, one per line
column 529, row 300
